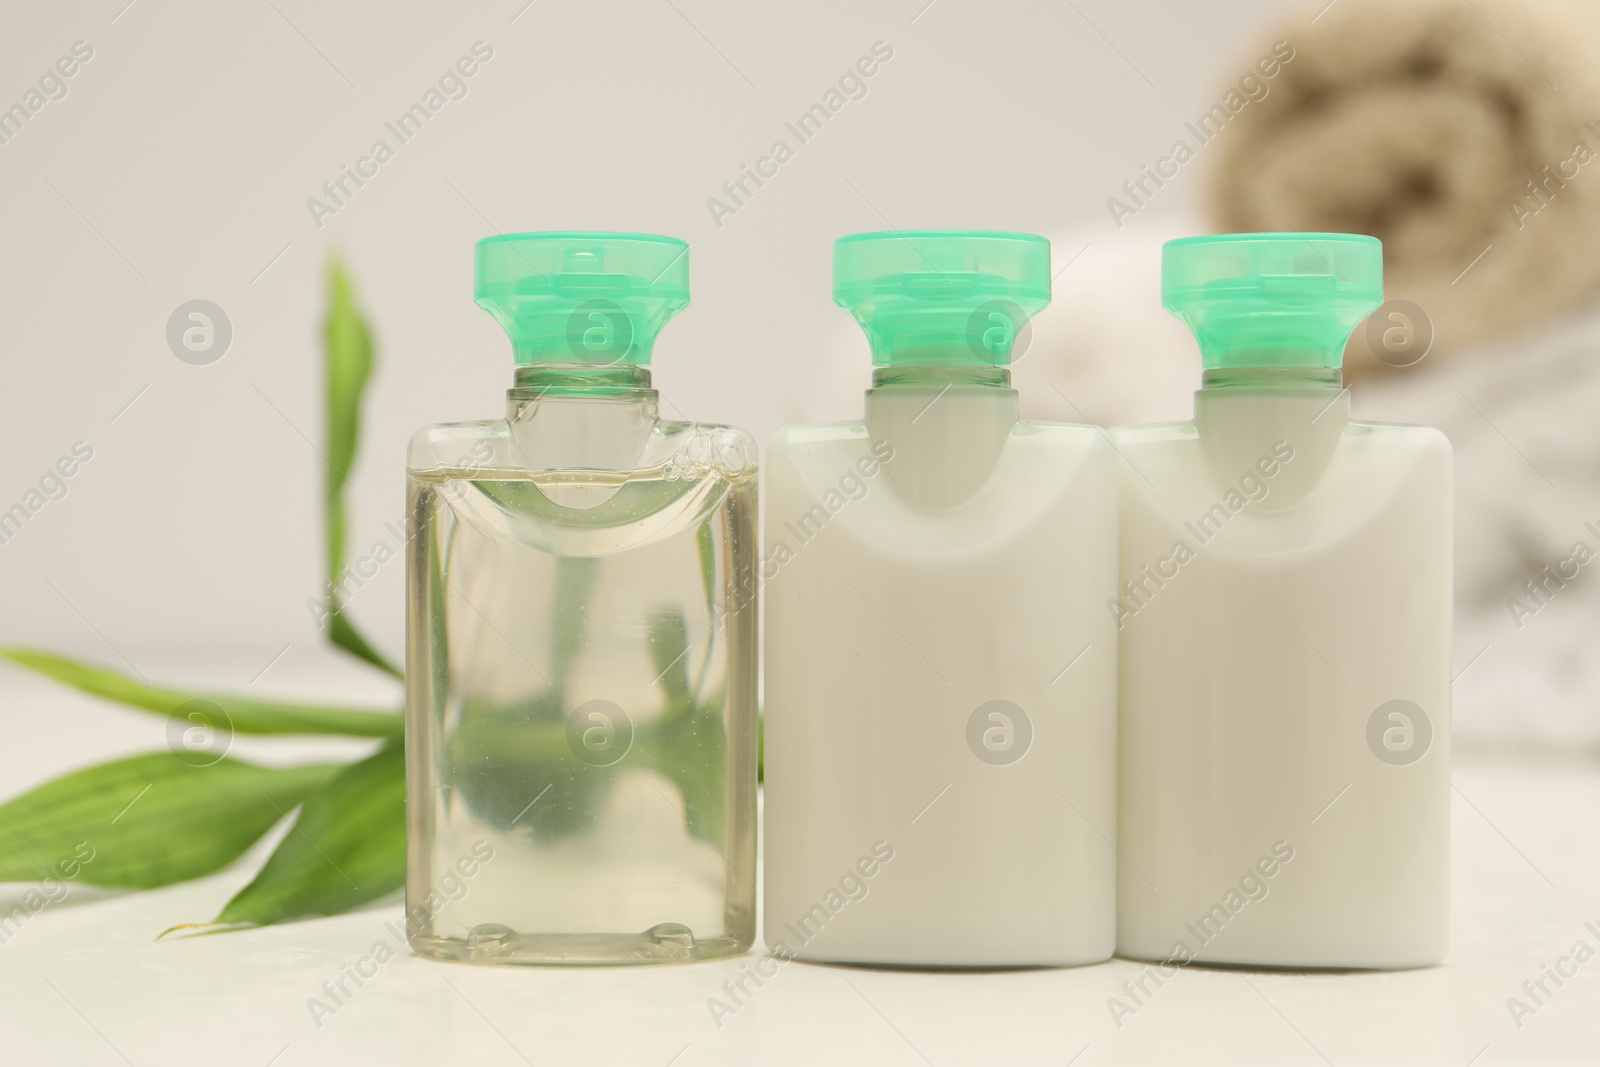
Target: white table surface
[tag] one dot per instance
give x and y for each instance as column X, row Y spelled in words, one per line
column 84, row 982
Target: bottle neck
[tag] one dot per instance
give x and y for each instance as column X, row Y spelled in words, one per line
column 1273, row 379
column 539, row 381
column 940, row 375
column 580, row 416
column 947, row 424
column 1288, row 419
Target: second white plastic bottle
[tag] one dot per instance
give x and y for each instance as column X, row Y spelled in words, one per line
column 940, row 667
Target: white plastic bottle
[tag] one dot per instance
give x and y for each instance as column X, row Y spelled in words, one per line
column 1284, row 612
column 940, row 668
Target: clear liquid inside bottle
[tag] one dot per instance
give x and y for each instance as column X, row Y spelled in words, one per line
column 581, row 702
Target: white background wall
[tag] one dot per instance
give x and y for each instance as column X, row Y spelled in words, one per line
column 179, row 163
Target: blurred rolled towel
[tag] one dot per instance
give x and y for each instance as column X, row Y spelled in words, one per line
column 1465, row 134
column 1521, row 418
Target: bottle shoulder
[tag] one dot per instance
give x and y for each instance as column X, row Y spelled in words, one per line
column 1158, row 434
column 817, row 432
column 821, row 433
column 1427, row 438
column 1154, row 433
column 1292, row 496
column 475, row 428
column 490, row 443
column 458, row 444
column 722, row 430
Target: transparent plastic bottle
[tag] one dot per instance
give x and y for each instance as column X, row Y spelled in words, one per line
column 1284, row 612
column 940, row 667
column 581, row 637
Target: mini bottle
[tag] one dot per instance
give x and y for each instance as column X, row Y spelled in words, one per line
column 581, row 678
column 1284, row 612
column 940, row 669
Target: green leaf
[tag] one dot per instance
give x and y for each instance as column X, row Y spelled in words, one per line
column 669, row 654
column 344, row 635
column 148, row 820
column 347, row 847
column 502, row 755
column 246, row 716
column 349, row 364
column 706, row 543
column 692, row 750
column 688, row 743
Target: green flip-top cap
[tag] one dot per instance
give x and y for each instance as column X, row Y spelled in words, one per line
column 582, row 297
column 1272, row 299
column 942, row 296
